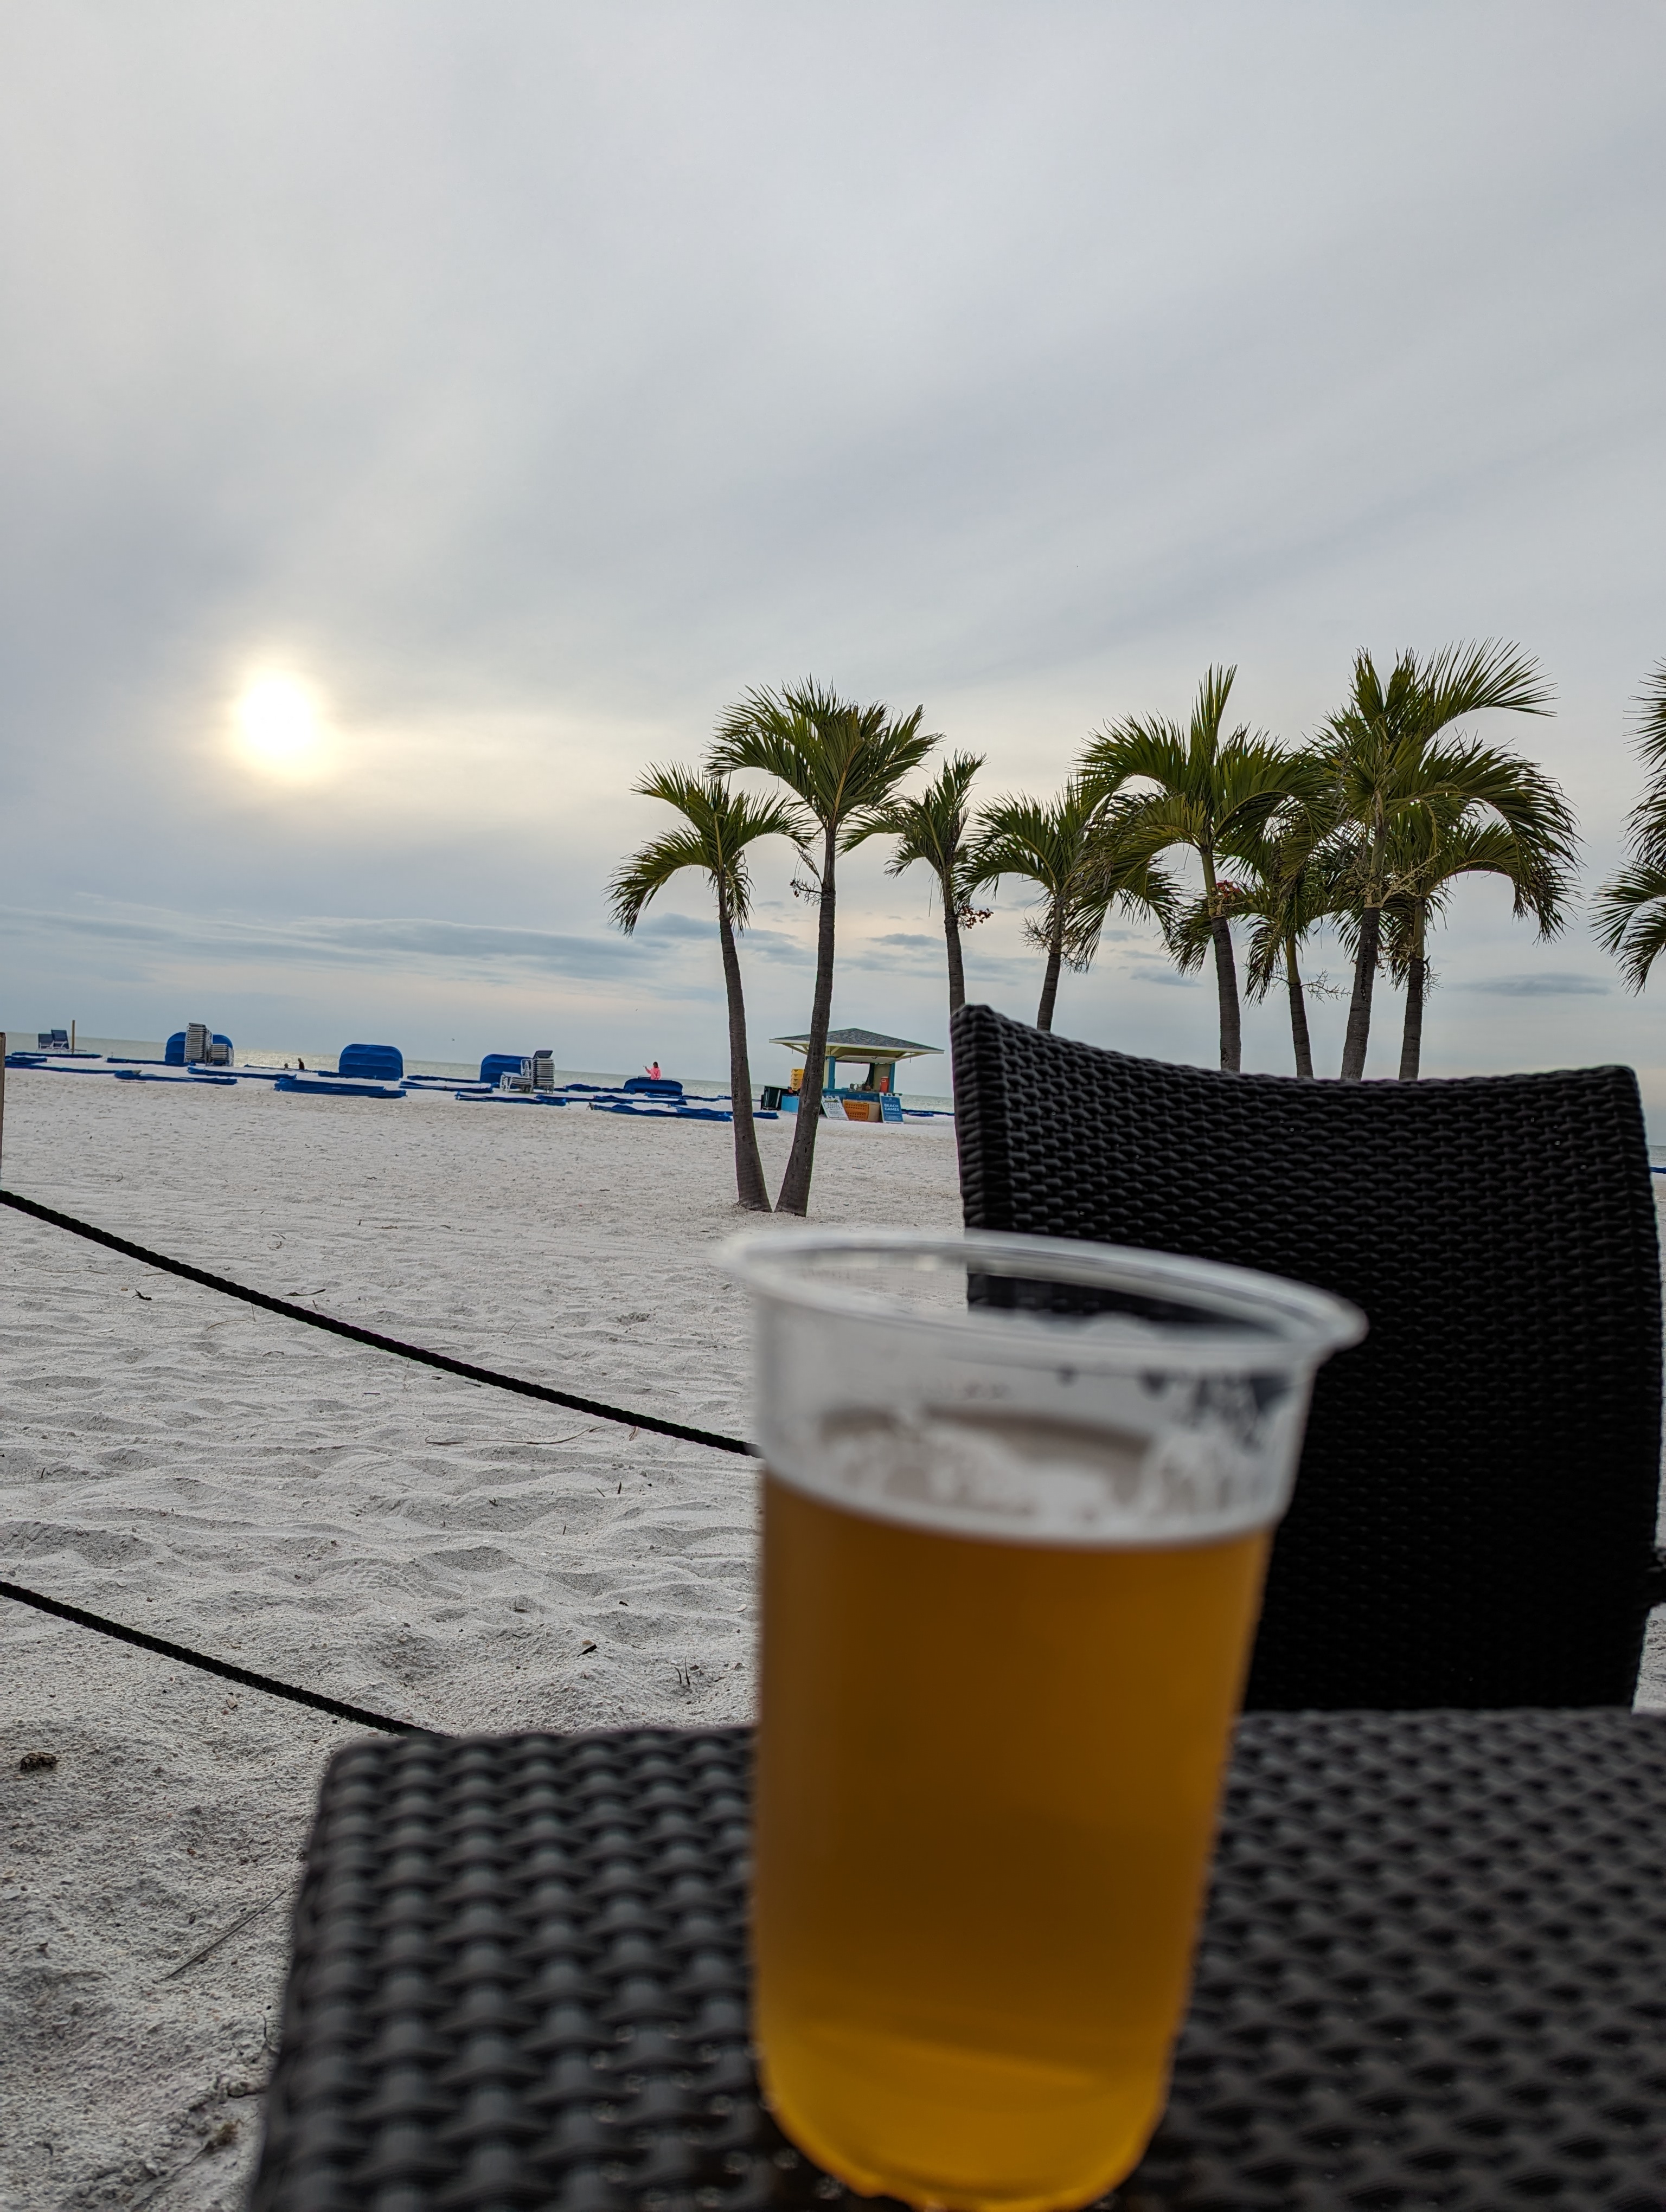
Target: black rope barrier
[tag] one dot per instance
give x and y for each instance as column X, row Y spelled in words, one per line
column 350, row 1330
column 244, row 1676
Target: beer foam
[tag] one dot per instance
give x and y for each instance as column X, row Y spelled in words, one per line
column 1027, row 1477
column 1180, row 1422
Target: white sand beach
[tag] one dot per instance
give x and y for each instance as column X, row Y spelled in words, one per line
column 335, row 1517
column 338, row 1518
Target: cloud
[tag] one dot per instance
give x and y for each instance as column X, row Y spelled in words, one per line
column 901, row 952
column 561, row 954
column 325, row 938
column 675, row 925
column 1155, row 975
column 775, row 945
column 1542, row 986
column 674, row 929
column 527, row 432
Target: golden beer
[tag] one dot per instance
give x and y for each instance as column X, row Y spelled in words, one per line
column 986, row 1794
column 1013, row 1545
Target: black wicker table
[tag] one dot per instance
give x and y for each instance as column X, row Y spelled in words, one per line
column 1434, row 1975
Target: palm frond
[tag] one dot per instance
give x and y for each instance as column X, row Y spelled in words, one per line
column 1147, row 822
column 838, row 757
column 1628, row 915
column 1645, row 826
column 1212, row 792
column 1651, row 717
column 1056, row 845
column 1135, row 750
column 930, row 826
column 1043, row 840
column 1540, row 882
column 718, row 825
column 1491, row 677
column 1285, row 887
column 1189, row 935
column 1424, row 807
column 646, row 874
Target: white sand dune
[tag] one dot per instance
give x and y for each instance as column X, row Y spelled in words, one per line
column 335, row 1517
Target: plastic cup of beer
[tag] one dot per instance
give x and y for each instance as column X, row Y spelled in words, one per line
column 1018, row 1501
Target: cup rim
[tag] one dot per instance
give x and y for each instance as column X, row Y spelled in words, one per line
column 1290, row 1318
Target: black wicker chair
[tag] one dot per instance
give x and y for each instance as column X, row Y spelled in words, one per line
column 1474, row 1520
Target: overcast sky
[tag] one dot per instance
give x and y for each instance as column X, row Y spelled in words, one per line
column 521, row 382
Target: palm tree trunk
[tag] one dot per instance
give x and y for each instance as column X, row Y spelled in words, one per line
column 1364, row 975
column 1417, row 978
column 1226, row 974
column 951, row 933
column 1226, row 983
column 1055, row 960
column 794, row 1193
column 1299, row 1034
column 751, row 1189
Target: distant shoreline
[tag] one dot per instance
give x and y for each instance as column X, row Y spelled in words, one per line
column 466, row 1071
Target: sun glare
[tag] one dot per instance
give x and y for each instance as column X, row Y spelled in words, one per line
column 277, row 719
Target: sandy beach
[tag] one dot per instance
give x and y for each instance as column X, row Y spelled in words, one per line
column 336, row 1518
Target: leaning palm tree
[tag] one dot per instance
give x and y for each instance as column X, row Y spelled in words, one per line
column 1197, row 787
column 1056, row 845
column 931, row 828
column 1384, row 755
column 718, row 825
column 1430, row 855
column 1629, row 911
column 840, row 761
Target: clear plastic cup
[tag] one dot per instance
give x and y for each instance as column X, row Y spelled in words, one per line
column 1019, row 1497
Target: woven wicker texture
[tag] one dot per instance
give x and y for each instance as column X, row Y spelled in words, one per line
column 1474, row 1521
column 1433, row 1975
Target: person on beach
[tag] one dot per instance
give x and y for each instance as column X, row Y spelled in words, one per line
column 655, row 1071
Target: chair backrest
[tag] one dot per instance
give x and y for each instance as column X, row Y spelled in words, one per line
column 1474, row 1517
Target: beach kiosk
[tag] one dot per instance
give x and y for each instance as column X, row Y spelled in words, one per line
column 874, row 1098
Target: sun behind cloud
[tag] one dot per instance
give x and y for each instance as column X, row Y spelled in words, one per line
column 278, row 724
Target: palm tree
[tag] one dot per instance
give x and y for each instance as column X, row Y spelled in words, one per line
column 1197, row 789
column 1284, row 886
column 1437, row 848
column 840, row 761
column 1304, row 886
column 1629, row 913
column 1056, row 844
column 1384, row 754
column 718, row 825
column 931, row 828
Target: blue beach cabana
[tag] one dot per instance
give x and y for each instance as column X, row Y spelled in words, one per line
column 525, row 1070
column 372, row 1063
column 209, row 1046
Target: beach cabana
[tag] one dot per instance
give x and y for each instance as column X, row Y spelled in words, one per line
column 372, row 1063
column 524, row 1071
column 877, row 1055
column 198, row 1046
